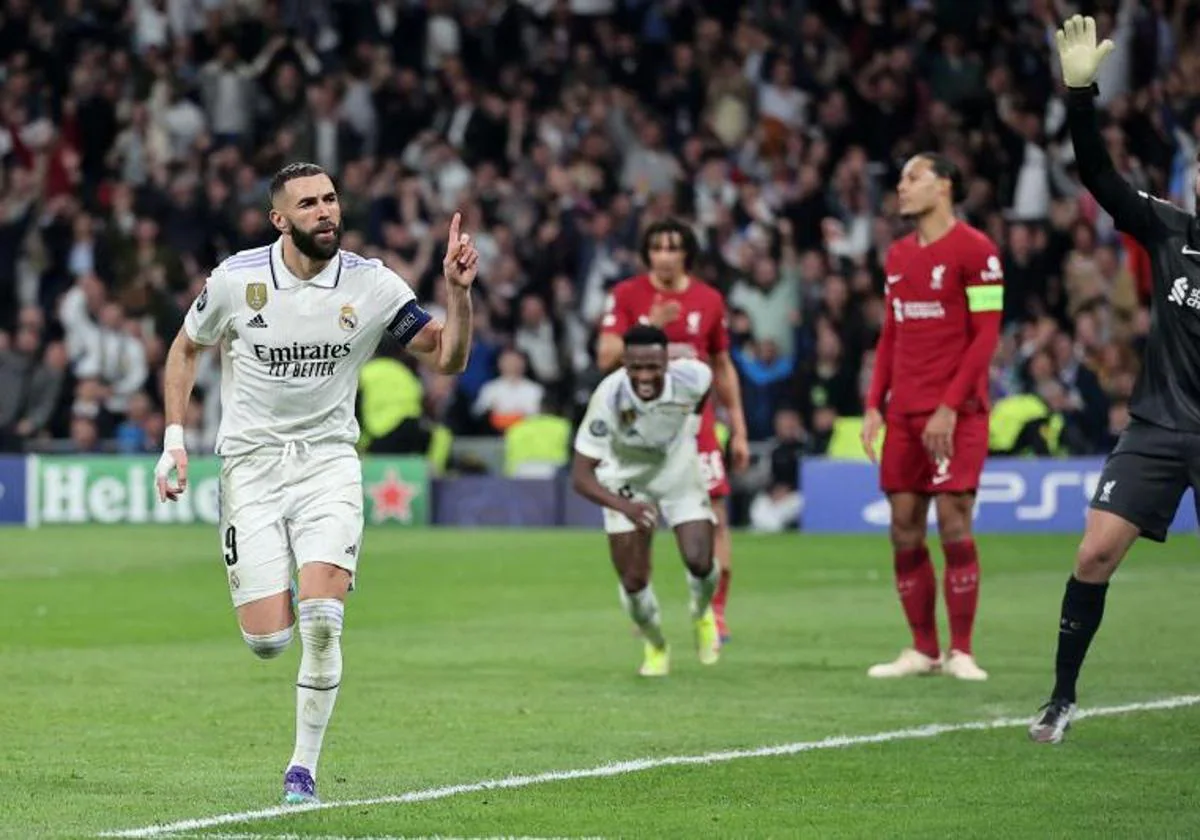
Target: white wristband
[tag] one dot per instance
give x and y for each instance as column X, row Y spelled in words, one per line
column 173, row 437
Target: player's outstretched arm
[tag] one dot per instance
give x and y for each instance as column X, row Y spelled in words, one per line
column 178, row 379
column 586, row 484
column 447, row 346
column 1081, row 57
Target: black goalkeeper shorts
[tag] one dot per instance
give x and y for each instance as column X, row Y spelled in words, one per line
column 1146, row 476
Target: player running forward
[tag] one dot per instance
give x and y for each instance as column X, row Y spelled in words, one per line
column 636, row 455
column 1158, row 455
column 295, row 322
column 693, row 316
column 944, row 299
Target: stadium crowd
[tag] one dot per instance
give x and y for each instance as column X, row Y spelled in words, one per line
column 137, row 139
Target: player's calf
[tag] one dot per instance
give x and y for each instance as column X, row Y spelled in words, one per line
column 318, row 679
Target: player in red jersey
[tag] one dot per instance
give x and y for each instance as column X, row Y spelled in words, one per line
column 693, row 316
column 945, row 295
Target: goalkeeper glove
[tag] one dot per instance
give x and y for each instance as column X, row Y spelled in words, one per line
column 1078, row 51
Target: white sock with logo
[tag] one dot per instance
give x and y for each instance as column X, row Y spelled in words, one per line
column 320, row 674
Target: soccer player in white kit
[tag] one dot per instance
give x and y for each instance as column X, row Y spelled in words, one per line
column 636, row 456
column 295, row 321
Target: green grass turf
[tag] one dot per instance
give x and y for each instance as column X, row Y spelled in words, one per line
column 129, row 698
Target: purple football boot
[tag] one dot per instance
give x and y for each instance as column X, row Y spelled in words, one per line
column 298, row 786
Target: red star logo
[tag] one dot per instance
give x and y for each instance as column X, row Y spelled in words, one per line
column 392, row 498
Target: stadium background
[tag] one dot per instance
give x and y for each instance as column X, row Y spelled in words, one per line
column 137, row 140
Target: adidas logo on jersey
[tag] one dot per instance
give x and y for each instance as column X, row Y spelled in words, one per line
column 257, row 322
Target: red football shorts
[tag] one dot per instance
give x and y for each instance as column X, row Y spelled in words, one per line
column 712, row 461
column 907, row 467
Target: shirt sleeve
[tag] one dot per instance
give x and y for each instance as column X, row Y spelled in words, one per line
column 618, row 315
column 695, row 376
column 405, row 317
column 594, row 437
column 211, row 312
column 984, row 288
column 718, row 333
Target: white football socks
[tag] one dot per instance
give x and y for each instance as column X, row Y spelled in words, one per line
column 319, row 677
column 702, row 589
column 642, row 607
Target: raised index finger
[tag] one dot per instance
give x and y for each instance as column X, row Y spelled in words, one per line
column 454, row 223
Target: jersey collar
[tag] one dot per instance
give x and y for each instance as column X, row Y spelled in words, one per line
column 326, row 278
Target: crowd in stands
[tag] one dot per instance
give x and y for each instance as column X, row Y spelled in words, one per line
column 137, row 139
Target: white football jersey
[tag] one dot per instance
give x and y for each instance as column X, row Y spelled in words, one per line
column 291, row 349
column 620, row 430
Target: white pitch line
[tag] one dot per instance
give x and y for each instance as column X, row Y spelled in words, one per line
column 637, row 765
column 220, row 836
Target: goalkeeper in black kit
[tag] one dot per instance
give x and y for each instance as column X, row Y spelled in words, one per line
column 1158, row 456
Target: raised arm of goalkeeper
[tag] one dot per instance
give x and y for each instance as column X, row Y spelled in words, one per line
column 1133, row 212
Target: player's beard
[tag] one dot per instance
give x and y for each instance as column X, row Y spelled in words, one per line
column 306, row 243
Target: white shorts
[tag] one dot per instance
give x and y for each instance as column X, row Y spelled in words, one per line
column 279, row 512
column 677, row 489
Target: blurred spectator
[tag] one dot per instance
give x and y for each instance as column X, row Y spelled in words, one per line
column 511, row 397
column 137, row 141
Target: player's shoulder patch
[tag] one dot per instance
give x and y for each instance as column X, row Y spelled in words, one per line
column 598, row 428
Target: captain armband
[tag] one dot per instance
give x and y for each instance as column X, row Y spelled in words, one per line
column 409, row 321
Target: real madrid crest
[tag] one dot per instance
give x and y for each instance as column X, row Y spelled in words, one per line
column 256, row 295
column 347, row 318
column 627, row 416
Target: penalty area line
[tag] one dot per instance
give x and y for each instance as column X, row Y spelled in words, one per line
column 637, row 765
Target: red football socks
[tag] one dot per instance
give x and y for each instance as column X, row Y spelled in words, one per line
column 961, row 585
column 917, row 586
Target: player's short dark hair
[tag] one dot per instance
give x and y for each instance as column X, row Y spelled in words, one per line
column 671, row 226
column 645, row 335
column 944, row 167
column 291, row 172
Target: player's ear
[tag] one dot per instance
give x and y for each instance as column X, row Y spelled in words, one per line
column 278, row 220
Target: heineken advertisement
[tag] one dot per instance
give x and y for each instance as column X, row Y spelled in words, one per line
column 120, row 489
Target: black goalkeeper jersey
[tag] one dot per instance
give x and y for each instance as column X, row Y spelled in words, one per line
column 1167, row 392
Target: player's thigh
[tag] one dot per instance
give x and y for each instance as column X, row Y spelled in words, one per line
column 904, row 465
column 253, row 538
column 1107, row 538
column 695, row 540
column 960, row 473
column 955, row 511
column 1144, row 479
column 630, row 555
column 325, row 521
column 909, row 514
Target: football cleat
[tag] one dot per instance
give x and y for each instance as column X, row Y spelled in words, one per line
column 962, row 665
column 656, row 662
column 299, row 786
column 708, row 641
column 910, row 663
column 1052, row 722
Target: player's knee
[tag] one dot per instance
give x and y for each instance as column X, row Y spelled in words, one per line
column 906, row 535
column 321, row 623
column 954, row 518
column 268, row 645
column 1096, row 560
column 635, row 580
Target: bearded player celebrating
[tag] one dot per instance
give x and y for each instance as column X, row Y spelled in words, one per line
column 693, row 316
column 945, row 294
